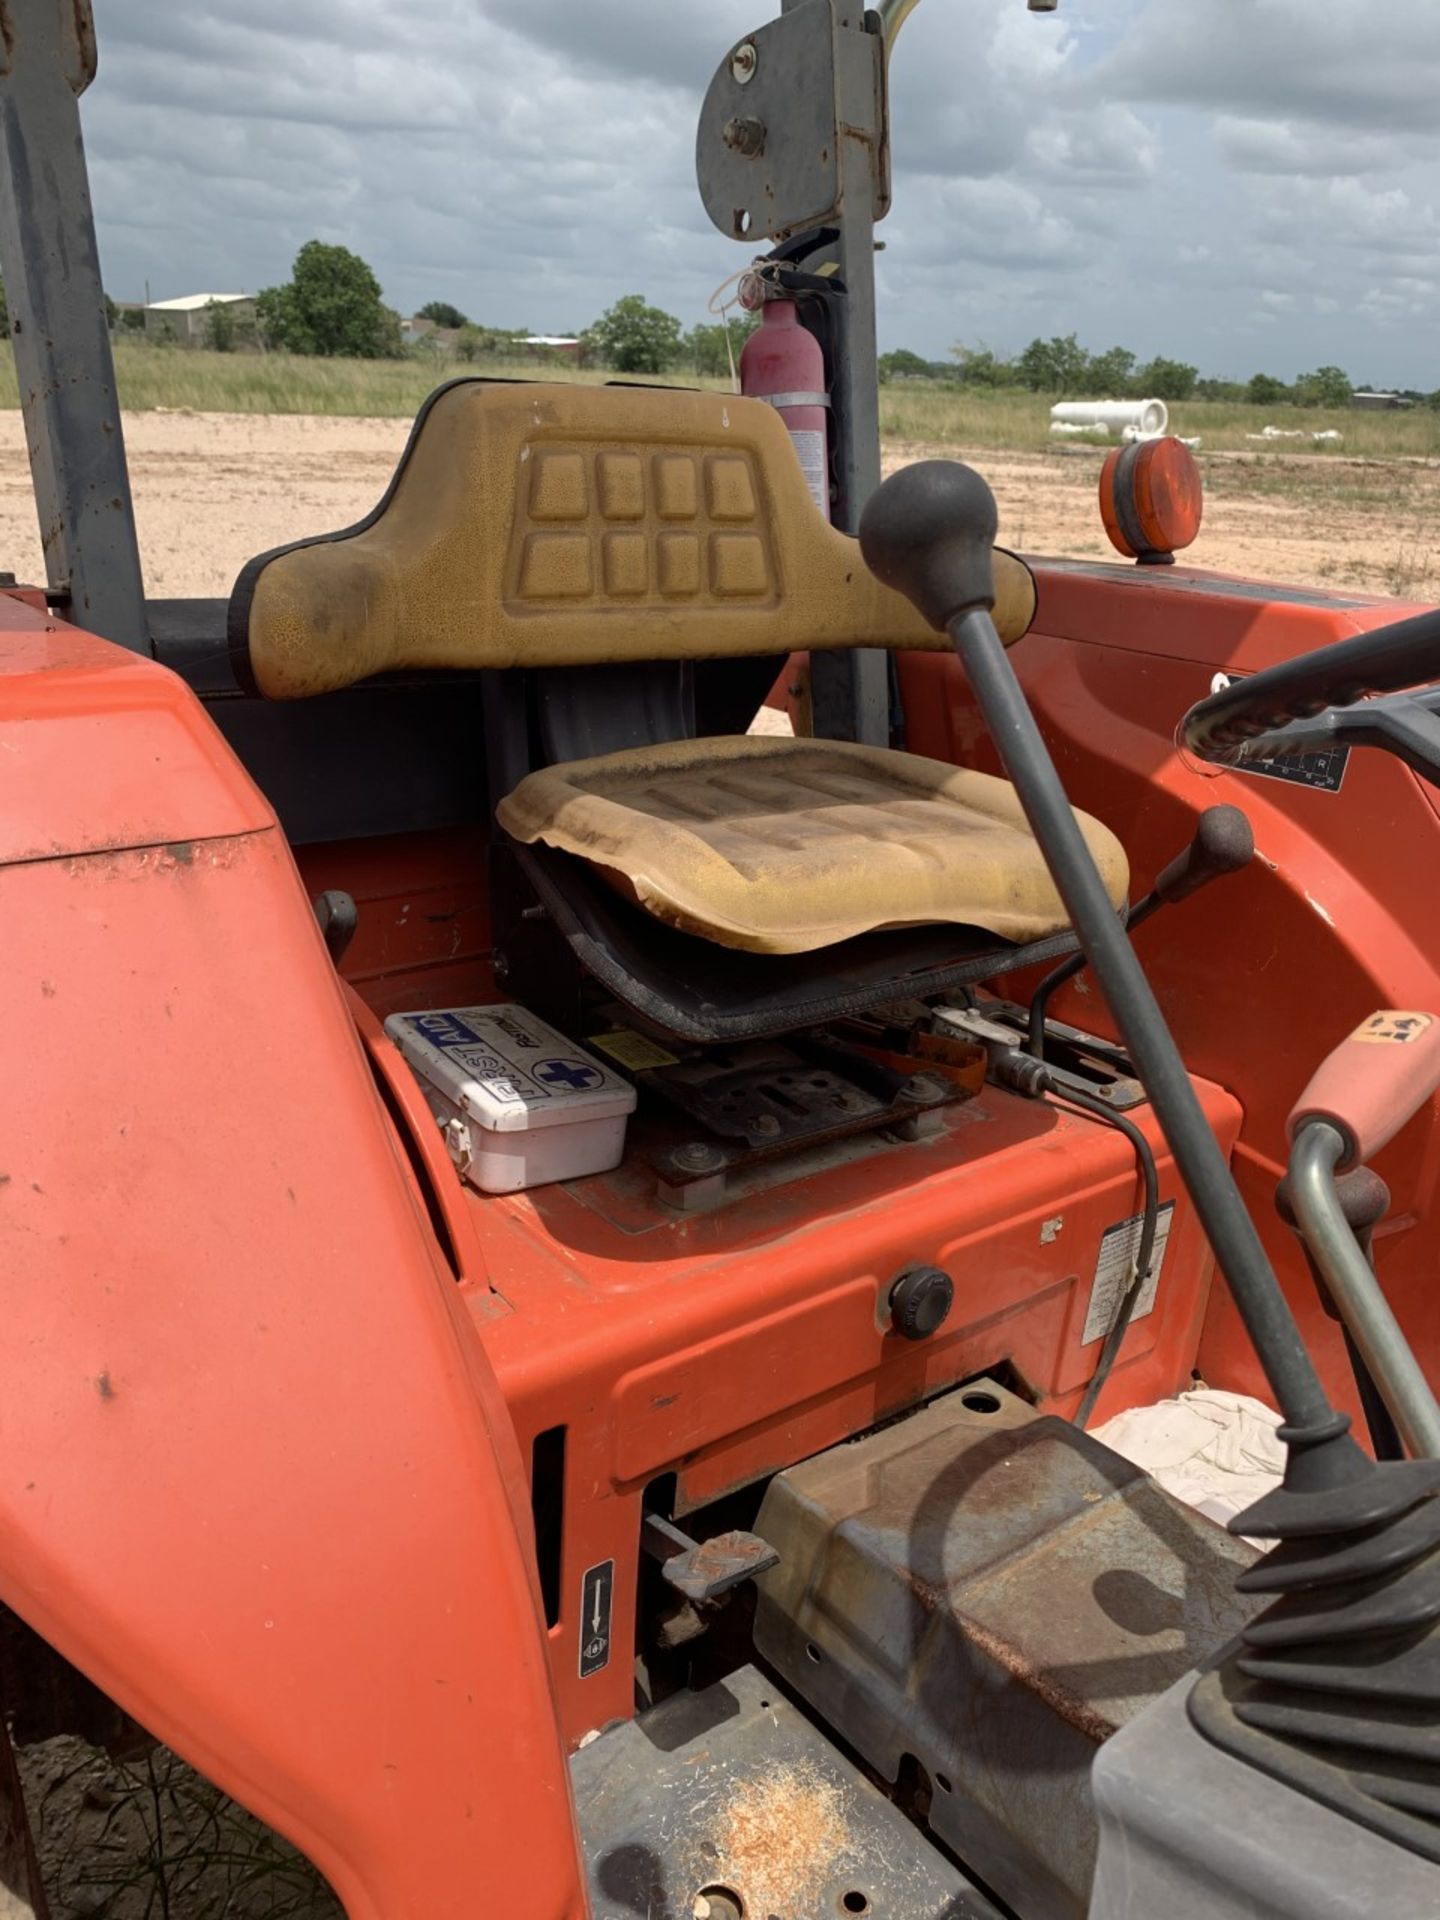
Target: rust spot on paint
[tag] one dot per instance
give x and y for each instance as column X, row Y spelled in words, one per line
column 182, row 852
column 47, row 987
column 103, row 1384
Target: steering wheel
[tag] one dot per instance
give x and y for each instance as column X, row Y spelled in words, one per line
column 1322, row 700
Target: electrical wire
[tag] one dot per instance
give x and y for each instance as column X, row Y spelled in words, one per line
column 719, row 304
column 1144, row 1253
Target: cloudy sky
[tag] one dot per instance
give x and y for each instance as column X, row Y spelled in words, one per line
column 1246, row 184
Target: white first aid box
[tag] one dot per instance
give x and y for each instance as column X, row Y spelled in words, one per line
column 519, row 1104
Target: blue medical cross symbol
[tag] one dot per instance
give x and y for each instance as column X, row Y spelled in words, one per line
column 570, row 1074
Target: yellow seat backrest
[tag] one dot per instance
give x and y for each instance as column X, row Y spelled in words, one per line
column 535, row 525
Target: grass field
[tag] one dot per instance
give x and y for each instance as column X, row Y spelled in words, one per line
column 175, row 378
column 913, row 411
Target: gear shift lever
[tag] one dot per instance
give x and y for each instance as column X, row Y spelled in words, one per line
column 929, row 532
column 1353, row 1633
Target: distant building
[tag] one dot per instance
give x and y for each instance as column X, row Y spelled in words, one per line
column 1380, row 402
column 185, row 320
column 563, row 346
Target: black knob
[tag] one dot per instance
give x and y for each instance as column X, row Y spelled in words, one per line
column 1364, row 1199
column 928, row 533
column 1223, row 843
column 920, row 1301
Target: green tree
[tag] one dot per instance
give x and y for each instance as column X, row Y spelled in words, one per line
column 705, row 349
column 902, row 364
column 1110, row 375
column 1265, row 390
column 1161, row 379
column 443, row 314
column 979, row 367
column 1326, row 387
column 219, row 327
column 634, row 337
column 330, row 306
column 1054, row 366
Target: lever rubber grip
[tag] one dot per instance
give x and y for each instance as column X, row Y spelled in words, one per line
column 1223, row 843
column 929, row 532
column 1373, row 1082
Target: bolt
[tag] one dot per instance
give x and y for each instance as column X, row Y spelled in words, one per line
column 745, row 134
column 698, row 1156
column 926, row 1088
column 743, row 63
column 765, row 1123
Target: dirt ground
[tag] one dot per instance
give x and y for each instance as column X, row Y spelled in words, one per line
column 149, row 1839
column 213, row 489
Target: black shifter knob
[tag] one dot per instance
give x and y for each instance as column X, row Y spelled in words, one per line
column 928, row 533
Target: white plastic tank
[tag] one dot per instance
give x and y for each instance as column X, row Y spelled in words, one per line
column 1150, row 416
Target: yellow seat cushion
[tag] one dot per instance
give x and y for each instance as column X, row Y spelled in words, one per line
column 781, row 846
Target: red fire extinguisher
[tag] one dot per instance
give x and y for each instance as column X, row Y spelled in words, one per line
column 783, row 363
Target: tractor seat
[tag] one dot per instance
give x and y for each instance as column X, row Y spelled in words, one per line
column 779, row 846
column 594, row 552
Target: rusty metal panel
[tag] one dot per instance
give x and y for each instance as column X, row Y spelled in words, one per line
column 994, row 1593
column 727, row 1803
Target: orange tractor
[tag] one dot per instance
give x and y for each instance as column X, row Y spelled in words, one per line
column 559, row 1254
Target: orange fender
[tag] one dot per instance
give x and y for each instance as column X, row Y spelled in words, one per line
column 256, row 1479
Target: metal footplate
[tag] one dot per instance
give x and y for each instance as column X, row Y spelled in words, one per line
column 728, row 1803
column 986, row 1594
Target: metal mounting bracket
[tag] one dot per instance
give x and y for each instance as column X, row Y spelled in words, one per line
column 787, row 107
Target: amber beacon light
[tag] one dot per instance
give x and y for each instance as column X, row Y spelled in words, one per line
column 1151, row 499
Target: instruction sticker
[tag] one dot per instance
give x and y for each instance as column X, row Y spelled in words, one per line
column 1322, row 768
column 1115, row 1268
column 597, row 1594
column 1392, row 1028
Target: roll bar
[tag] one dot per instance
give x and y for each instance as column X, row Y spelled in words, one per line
column 810, row 91
column 51, row 269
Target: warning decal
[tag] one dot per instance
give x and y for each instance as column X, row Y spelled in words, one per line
column 1115, row 1269
column 633, row 1050
column 1392, row 1028
column 597, row 1593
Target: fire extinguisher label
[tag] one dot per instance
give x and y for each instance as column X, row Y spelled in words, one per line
column 597, row 1592
column 810, row 446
